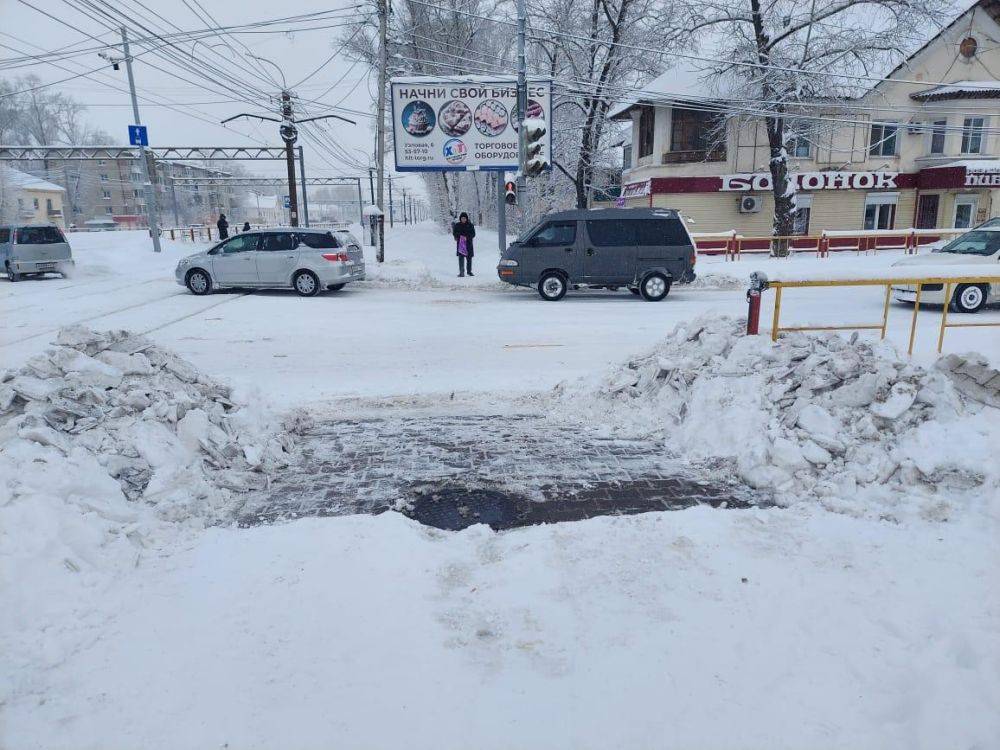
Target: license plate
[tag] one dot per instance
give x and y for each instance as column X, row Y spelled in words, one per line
column 45, row 266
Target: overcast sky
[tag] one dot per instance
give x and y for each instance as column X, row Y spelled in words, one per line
column 299, row 55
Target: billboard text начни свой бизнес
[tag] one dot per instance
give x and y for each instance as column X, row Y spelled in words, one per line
column 463, row 123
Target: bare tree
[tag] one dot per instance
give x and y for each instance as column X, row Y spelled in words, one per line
column 596, row 50
column 783, row 53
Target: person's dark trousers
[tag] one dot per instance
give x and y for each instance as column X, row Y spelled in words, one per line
column 467, row 267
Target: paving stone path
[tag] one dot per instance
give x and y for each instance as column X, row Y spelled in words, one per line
column 454, row 471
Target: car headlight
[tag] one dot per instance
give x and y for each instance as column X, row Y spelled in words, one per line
column 508, row 263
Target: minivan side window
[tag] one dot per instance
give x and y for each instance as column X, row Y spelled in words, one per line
column 325, row 241
column 556, row 233
column 240, row 244
column 661, row 232
column 276, row 242
column 612, row 233
column 4, row 235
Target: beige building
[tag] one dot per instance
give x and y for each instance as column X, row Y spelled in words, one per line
column 34, row 200
column 906, row 154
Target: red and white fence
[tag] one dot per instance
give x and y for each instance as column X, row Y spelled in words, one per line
column 733, row 245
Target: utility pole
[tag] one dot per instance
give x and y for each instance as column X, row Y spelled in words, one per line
column 152, row 213
column 522, row 113
column 405, row 217
column 289, row 133
column 371, row 185
column 173, row 198
column 390, row 202
column 501, row 211
column 383, row 22
column 305, row 199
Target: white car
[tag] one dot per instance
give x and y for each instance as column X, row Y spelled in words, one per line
column 979, row 248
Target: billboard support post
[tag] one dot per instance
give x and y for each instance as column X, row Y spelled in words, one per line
column 501, row 212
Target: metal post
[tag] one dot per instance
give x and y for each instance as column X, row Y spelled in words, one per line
column 371, row 185
column 390, row 202
column 361, row 206
column 151, row 212
column 173, row 199
column 380, row 121
column 501, row 212
column 305, row 199
column 293, row 200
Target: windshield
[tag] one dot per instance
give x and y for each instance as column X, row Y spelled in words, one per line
column 528, row 232
column 39, row 236
column 974, row 243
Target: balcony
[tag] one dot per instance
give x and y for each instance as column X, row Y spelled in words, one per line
column 688, row 157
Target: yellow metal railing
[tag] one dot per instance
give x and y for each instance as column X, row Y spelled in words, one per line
column 948, row 283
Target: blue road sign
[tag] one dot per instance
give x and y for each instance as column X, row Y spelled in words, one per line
column 137, row 135
column 288, row 202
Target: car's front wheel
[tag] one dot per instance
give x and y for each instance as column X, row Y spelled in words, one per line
column 198, row 282
column 654, row 287
column 552, row 286
column 306, row 284
column 969, row 298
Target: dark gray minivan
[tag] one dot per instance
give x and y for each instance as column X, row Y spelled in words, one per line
column 643, row 249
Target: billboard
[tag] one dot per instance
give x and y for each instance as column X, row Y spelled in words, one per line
column 465, row 123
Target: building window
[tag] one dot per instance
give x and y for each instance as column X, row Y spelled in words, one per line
column 108, row 210
column 104, row 178
column 938, row 132
column 803, row 210
column 20, row 204
column 695, row 136
column 965, row 209
column 972, row 135
column 48, row 205
column 927, row 211
column 627, row 156
column 880, row 210
column 883, row 140
column 101, row 162
column 35, row 202
column 647, row 118
column 106, row 194
column 799, row 140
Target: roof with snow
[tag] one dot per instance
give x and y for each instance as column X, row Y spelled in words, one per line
column 689, row 81
column 959, row 90
column 27, row 181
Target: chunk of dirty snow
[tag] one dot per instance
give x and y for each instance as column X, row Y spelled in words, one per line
column 901, row 398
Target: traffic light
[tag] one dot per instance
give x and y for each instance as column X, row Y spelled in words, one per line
column 534, row 160
column 510, row 193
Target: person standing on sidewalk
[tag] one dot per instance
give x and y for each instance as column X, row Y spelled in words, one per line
column 223, row 226
column 464, row 232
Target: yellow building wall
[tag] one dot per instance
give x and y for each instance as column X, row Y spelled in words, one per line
column 41, row 215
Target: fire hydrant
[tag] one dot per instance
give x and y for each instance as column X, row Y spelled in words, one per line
column 758, row 284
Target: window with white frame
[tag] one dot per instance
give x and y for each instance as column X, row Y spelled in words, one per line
column 647, row 118
column 883, row 139
column 104, row 178
column 108, row 210
column 106, row 194
column 800, row 139
column 803, row 210
column 880, row 210
column 972, row 135
column 939, row 128
column 965, row 211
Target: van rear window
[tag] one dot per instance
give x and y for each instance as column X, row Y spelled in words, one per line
column 325, row 241
column 39, row 236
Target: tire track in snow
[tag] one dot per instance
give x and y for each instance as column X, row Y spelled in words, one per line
column 126, row 308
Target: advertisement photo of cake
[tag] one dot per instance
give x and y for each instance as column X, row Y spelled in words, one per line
column 491, row 118
column 418, row 118
column 455, row 118
column 535, row 112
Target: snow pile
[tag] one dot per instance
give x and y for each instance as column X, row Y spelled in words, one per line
column 847, row 422
column 107, row 418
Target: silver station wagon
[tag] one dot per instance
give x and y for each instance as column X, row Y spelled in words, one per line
column 34, row 250
column 306, row 260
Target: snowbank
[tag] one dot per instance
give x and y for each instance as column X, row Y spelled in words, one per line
column 844, row 422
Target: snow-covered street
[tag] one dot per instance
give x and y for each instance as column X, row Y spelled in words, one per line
column 857, row 607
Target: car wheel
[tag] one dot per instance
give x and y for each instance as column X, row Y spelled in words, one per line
column 12, row 274
column 969, row 298
column 306, row 284
column 654, row 287
column 336, row 287
column 552, row 286
column 198, row 282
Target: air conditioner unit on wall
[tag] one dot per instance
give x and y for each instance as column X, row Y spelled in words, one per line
column 751, row 204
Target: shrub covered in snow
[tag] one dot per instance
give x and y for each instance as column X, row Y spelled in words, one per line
column 844, row 421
